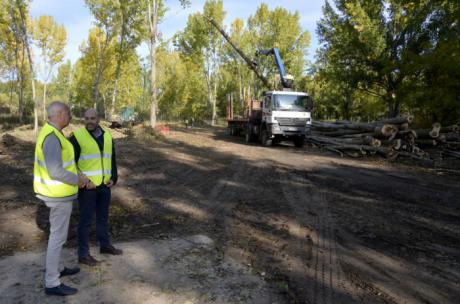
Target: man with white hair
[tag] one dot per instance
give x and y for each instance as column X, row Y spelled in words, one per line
column 56, row 182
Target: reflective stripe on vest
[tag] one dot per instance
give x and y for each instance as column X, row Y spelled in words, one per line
column 64, row 164
column 96, row 165
column 44, row 184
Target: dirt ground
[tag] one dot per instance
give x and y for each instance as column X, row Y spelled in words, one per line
column 303, row 225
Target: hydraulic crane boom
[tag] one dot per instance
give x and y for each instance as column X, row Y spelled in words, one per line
column 286, row 80
column 252, row 65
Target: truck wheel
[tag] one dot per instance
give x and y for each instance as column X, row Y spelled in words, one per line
column 248, row 135
column 266, row 141
column 232, row 130
column 298, row 142
column 236, row 131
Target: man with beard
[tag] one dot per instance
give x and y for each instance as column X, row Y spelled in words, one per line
column 95, row 157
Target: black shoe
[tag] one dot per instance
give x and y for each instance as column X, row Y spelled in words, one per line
column 69, row 271
column 61, row 290
column 111, row 250
column 88, row 260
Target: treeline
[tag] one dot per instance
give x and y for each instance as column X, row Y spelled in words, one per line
column 376, row 59
column 381, row 58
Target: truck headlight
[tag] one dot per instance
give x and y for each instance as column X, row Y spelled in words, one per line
column 276, row 127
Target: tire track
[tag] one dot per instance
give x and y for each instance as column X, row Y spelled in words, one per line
column 219, row 200
column 327, row 282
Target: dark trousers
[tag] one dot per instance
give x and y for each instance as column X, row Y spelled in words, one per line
column 95, row 201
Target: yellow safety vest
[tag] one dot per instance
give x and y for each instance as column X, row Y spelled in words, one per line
column 44, row 184
column 96, row 165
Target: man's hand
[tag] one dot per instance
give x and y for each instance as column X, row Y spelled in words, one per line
column 82, row 180
column 90, row 185
column 109, row 183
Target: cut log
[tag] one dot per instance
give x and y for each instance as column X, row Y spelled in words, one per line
column 387, row 130
column 453, row 128
column 434, row 133
column 362, row 148
column 426, row 142
column 366, row 140
column 330, row 126
column 407, row 119
column 336, row 133
column 451, row 136
column 404, row 126
column 436, row 127
column 452, row 153
column 410, row 133
column 362, row 127
column 426, row 133
column 371, row 141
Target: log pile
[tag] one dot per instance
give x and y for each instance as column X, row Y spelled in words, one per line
column 390, row 138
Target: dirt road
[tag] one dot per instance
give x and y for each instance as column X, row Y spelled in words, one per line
column 316, row 228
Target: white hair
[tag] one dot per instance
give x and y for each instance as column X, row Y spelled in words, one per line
column 55, row 108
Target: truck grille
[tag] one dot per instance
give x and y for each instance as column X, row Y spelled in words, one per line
column 286, row 121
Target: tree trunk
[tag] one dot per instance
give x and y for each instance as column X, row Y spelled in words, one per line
column 19, row 69
column 20, row 76
column 153, row 85
column 153, row 22
column 394, row 105
column 98, row 79
column 44, row 102
column 26, row 42
column 118, row 69
column 115, row 92
column 11, row 88
column 240, row 87
column 214, row 101
column 347, row 106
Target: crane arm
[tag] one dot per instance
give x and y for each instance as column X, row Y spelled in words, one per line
column 252, row 65
column 285, row 82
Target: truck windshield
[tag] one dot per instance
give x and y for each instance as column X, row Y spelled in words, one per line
column 290, row 102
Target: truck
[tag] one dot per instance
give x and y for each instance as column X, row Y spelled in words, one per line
column 282, row 114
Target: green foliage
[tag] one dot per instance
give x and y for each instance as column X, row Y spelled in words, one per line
column 201, row 41
column 279, row 29
column 377, row 58
column 60, row 84
column 14, row 65
column 83, row 79
column 51, row 39
column 391, row 53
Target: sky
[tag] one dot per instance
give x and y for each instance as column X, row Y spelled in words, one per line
column 77, row 20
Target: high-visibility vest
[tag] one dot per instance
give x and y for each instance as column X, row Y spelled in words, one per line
column 96, row 165
column 44, row 184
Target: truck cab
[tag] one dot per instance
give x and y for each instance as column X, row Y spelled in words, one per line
column 286, row 115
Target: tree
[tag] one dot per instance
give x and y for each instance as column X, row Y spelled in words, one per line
column 61, row 83
column 281, row 29
column 84, row 74
column 104, row 11
column 24, row 35
column 12, row 53
column 204, row 43
column 51, row 39
column 388, row 46
column 130, row 15
column 89, row 71
column 155, row 11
